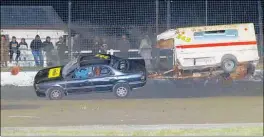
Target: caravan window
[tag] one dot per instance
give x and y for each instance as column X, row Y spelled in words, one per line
column 215, row 35
column 215, row 32
column 165, row 44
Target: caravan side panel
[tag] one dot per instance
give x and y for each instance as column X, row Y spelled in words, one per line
column 209, row 44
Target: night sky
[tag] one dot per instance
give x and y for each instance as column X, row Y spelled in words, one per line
column 142, row 12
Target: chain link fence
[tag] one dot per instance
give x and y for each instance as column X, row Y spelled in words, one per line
column 102, row 25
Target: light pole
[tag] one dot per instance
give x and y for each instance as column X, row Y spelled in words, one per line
column 69, row 31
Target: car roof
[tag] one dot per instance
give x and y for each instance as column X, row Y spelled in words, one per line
column 93, row 59
column 96, row 56
column 94, row 62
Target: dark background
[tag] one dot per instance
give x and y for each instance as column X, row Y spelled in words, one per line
column 142, row 12
column 135, row 17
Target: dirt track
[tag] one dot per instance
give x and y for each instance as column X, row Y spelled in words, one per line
column 148, row 111
column 188, row 103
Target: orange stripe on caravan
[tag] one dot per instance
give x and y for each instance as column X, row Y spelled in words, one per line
column 217, row 44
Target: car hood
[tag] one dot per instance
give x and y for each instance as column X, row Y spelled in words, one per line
column 49, row 74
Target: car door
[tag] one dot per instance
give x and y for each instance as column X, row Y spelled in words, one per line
column 105, row 80
column 80, row 84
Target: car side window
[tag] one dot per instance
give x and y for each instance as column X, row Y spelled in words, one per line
column 83, row 73
column 102, row 71
column 105, row 71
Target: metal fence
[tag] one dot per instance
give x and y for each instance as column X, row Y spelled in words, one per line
column 89, row 23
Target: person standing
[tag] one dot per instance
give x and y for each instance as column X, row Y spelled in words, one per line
column 23, row 48
column 4, row 51
column 61, row 47
column 155, row 53
column 77, row 41
column 145, row 50
column 36, row 48
column 48, row 49
column 104, row 47
column 123, row 46
column 96, row 45
column 14, row 48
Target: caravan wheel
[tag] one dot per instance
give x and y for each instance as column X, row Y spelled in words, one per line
column 229, row 64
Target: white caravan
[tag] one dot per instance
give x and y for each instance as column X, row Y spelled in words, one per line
column 222, row 47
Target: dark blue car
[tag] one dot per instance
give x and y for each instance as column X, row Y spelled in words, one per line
column 99, row 73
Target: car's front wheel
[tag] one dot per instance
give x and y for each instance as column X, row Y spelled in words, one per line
column 55, row 93
column 121, row 90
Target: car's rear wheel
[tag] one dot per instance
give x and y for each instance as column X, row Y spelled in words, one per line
column 121, row 90
column 55, row 93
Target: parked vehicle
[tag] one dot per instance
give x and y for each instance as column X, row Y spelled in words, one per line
column 85, row 74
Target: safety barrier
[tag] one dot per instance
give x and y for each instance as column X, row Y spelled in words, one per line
column 29, row 62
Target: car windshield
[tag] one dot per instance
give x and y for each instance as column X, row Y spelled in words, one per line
column 70, row 66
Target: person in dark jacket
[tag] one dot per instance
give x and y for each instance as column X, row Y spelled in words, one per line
column 61, row 47
column 123, row 46
column 48, row 49
column 36, row 48
column 14, row 48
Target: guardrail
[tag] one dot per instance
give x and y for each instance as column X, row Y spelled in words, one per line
column 113, row 51
column 29, row 62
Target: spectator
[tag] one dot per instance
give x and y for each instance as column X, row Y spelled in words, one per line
column 76, row 43
column 23, row 47
column 14, row 48
column 155, row 53
column 123, row 45
column 36, row 48
column 145, row 50
column 61, row 47
column 4, row 51
column 104, row 46
column 96, row 45
column 48, row 49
